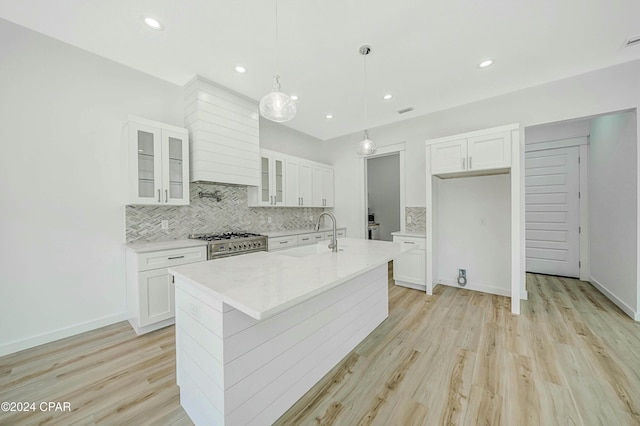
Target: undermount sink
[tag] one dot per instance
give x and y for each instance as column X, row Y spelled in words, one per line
column 309, row 250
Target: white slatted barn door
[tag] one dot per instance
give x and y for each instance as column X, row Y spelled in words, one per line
column 552, row 185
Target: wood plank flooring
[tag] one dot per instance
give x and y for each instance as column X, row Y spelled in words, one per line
column 458, row 357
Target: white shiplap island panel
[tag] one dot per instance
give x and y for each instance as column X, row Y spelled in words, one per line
column 255, row 332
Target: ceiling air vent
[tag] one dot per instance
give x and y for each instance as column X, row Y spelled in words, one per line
column 632, row 41
column 405, row 110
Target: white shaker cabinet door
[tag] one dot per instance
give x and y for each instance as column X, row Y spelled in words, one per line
column 157, row 298
column 449, row 157
column 489, row 151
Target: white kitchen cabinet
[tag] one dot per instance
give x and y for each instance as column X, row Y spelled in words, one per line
column 158, row 157
column 298, row 183
column 408, row 269
column 322, row 178
column 280, row 243
column 150, row 290
column 311, row 238
column 302, row 238
column 479, row 153
column 271, row 188
column 341, row 233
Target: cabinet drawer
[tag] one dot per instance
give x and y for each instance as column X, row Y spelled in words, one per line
column 282, row 242
column 168, row 258
column 341, row 234
column 311, row 238
column 418, row 242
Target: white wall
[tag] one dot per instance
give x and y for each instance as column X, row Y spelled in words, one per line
column 602, row 91
column 613, row 188
column 474, row 231
column 557, row 131
column 279, row 138
column 383, row 186
column 62, row 220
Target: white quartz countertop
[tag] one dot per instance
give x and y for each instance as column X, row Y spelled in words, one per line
column 164, row 245
column 275, row 234
column 263, row 284
column 409, row 234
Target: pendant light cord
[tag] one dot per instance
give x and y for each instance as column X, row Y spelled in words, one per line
column 277, row 42
column 365, row 93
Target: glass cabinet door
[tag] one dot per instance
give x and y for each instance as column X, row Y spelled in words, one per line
column 265, row 187
column 278, row 183
column 145, row 144
column 176, row 179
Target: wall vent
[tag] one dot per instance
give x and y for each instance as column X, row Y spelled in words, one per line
column 632, row 41
column 405, row 110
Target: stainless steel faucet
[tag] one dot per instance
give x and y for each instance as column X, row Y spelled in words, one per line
column 333, row 245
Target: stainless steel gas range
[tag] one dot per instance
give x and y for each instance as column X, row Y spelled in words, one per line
column 232, row 243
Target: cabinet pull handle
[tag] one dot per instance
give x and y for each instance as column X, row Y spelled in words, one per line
column 463, row 164
column 302, row 201
column 166, row 195
column 283, row 242
column 305, row 239
column 271, row 199
column 158, row 195
column 175, row 257
column 470, row 163
column 408, row 242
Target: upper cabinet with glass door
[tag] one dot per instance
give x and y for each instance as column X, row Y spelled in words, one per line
column 270, row 191
column 158, row 163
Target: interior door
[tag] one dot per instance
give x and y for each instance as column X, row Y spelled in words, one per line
column 552, row 185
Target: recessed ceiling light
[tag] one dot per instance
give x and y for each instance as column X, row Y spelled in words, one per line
column 486, row 63
column 329, row 116
column 153, row 23
column 387, row 96
column 240, row 69
column 295, row 97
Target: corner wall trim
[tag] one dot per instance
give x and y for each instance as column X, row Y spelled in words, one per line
column 33, row 341
column 619, row 303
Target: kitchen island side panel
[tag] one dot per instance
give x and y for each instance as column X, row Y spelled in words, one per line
column 267, row 365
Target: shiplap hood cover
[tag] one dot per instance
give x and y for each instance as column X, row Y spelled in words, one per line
column 223, row 134
column 424, row 52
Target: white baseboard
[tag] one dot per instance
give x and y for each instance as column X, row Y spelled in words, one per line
column 524, row 295
column 477, row 287
column 411, row 285
column 30, row 342
column 619, row 303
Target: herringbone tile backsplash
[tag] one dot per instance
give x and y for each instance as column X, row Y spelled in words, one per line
column 231, row 213
column 418, row 219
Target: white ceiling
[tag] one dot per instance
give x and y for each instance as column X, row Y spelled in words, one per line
column 424, row 52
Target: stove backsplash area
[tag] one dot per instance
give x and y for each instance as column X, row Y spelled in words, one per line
column 144, row 223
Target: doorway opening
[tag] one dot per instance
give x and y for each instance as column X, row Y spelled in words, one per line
column 581, row 203
column 383, row 205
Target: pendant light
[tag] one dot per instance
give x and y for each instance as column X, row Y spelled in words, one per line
column 277, row 106
column 366, row 145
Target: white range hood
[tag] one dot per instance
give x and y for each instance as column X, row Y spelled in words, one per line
column 223, row 133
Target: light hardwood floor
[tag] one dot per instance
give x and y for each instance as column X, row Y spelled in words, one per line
column 458, row 357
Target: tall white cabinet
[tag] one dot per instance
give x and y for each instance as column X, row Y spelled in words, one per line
column 477, row 155
column 158, row 162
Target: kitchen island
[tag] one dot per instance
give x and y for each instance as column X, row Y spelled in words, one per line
column 255, row 332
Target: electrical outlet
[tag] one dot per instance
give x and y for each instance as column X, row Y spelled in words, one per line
column 409, row 219
column 462, row 272
column 268, row 219
column 164, row 224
